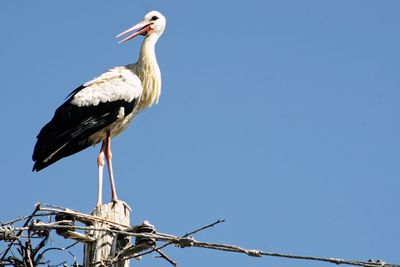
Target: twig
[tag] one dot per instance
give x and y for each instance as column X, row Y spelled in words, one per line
column 37, row 207
column 76, row 264
column 165, row 256
column 27, row 217
column 61, row 249
column 203, row 228
column 60, row 264
column 184, row 236
column 85, row 218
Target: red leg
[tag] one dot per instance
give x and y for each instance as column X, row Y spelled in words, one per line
column 114, row 197
column 100, row 164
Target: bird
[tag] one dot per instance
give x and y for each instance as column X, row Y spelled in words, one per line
column 103, row 107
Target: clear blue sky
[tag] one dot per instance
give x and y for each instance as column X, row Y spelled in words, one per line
column 281, row 117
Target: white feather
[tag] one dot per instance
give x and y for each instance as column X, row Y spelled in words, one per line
column 120, row 83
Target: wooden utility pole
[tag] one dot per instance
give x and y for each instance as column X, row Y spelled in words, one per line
column 107, row 244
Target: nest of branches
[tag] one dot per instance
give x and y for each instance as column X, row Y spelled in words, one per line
column 26, row 240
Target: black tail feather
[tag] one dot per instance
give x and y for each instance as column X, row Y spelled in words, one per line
column 71, row 128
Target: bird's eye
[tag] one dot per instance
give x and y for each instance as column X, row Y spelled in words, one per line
column 154, row 18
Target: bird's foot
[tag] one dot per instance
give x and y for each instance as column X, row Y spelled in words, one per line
column 116, row 201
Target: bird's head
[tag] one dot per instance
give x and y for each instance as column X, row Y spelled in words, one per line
column 152, row 25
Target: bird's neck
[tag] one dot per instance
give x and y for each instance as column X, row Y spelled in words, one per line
column 149, row 72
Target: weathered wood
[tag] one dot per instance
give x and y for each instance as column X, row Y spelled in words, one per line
column 107, row 244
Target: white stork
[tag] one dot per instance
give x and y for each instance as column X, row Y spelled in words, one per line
column 103, row 107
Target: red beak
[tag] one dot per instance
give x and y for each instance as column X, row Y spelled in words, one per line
column 141, row 27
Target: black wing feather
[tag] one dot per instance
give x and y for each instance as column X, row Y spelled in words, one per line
column 69, row 130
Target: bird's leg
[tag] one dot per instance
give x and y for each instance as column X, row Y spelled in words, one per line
column 114, row 197
column 100, row 164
